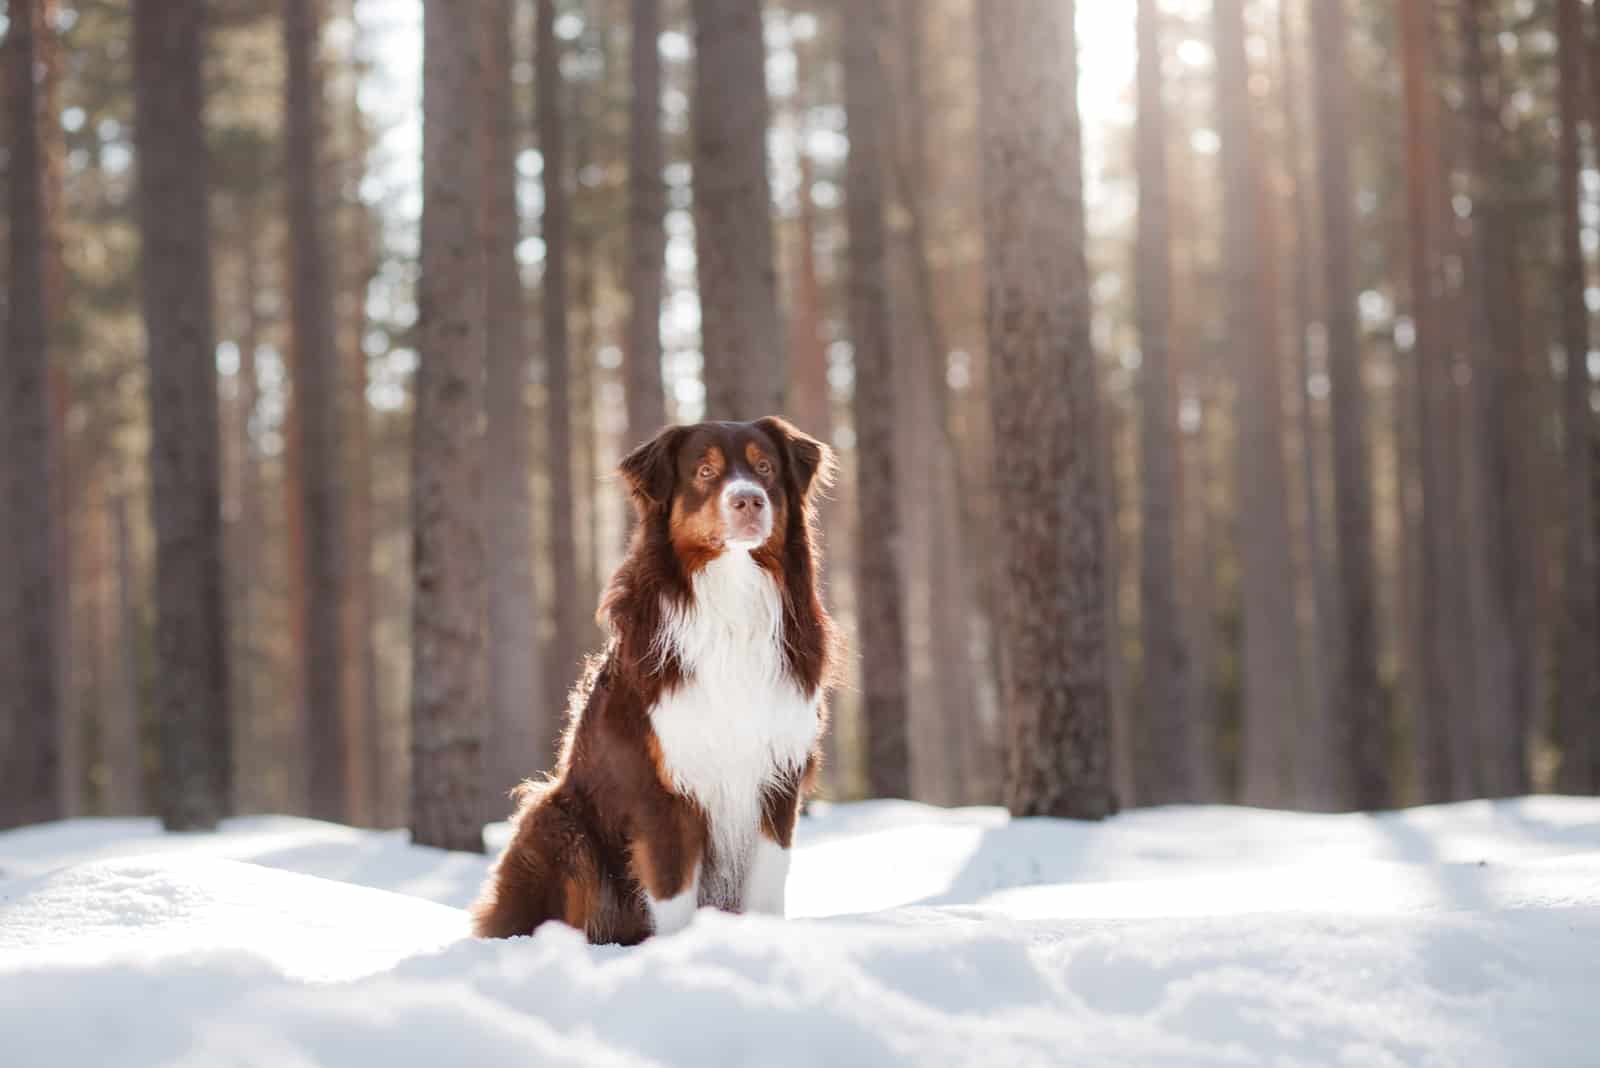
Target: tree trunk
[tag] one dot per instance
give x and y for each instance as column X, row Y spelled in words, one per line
column 1579, row 687
column 571, row 615
column 1165, row 769
column 360, row 701
column 119, row 726
column 1313, row 768
column 192, row 694
column 882, row 631
column 1271, row 668
column 29, row 685
column 521, row 725
column 647, row 236
column 449, row 606
column 1363, row 748
column 1433, row 556
column 1502, row 665
column 315, row 363
column 253, row 738
column 740, row 326
column 1044, row 406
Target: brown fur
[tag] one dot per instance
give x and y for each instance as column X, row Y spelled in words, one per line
column 608, row 827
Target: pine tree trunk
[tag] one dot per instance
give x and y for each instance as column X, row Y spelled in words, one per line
column 1579, row 686
column 1436, row 529
column 647, row 237
column 1313, row 769
column 1044, row 405
column 880, row 605
column 571, row 615
column 1165, row 751
column 29, row 685
column 741, row 330
column 192, row 694
column 360, row 701
column 120, row 743
column 315, row 363
column 1502, row 661
column 450, row 604
column 948, row 569
column 252, row 741
column 521, row 727
column 1271, row 668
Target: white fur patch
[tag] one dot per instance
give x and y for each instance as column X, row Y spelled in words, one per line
column 769, row 874
column 674, row 913
column 737, row 721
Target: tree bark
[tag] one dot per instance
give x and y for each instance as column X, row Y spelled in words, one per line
column 1364, row 745
column 571, row 614
column 315, row 362
column 29, row 684
column 1313, row 767
column 521, row 727
column 1502, row 665
column 882, row 630
column 120, row 736
column 647, row 236
column 1271, row 668
column 450, row 604
column 741, row 329
column 1436, row 528
column 1165, row 770
column 1579, row 686
column 1044, row 406
column 192, row 692
column 359, row 669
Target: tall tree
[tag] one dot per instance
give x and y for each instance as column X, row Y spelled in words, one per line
column 740, row 326
column 29, row 683
column 647, row 235
column 449, row 604
column 1271, row 668
column 520, row 732
column 883, row 644
column 316, row 386
column 192, row 691
column 1357, row 697
column 1579, row 685
column 571, row 614
column 119, row 727
column 1313, row 768
column 1044, row 406
column 1165, row 765
column 1499, row 577
column 1436, row 529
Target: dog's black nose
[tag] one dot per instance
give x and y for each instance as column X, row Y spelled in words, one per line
column 750, row 501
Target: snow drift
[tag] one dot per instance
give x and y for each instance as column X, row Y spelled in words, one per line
column 1466, row 934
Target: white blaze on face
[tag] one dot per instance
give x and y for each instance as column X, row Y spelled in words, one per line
column 751, row 525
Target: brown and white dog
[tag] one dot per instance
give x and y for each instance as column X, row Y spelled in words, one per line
column 693, row 737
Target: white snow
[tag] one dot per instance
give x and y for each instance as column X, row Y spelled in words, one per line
column 1458, row 935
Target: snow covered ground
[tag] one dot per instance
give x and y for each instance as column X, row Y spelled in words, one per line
column 1460, row 935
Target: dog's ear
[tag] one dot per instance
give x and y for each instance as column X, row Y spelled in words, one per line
column 651, row 470
column 809, row 461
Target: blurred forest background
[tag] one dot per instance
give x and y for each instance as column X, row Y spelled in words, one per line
column 1298, row 378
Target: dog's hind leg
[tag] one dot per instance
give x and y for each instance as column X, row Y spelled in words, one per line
column 548, row 872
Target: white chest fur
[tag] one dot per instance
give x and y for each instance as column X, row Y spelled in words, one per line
column 737, row 721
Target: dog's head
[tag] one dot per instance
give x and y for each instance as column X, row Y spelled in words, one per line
column 722, row 486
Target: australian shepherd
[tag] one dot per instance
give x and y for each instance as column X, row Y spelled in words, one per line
column 693, row 737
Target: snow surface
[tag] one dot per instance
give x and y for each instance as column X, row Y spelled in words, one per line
column 1458, row 935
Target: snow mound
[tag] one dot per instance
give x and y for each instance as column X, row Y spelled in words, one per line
column 179, row 907
column 1460, row 935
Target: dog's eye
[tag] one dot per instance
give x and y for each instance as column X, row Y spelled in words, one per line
column 706, row 472
column 763, row 468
